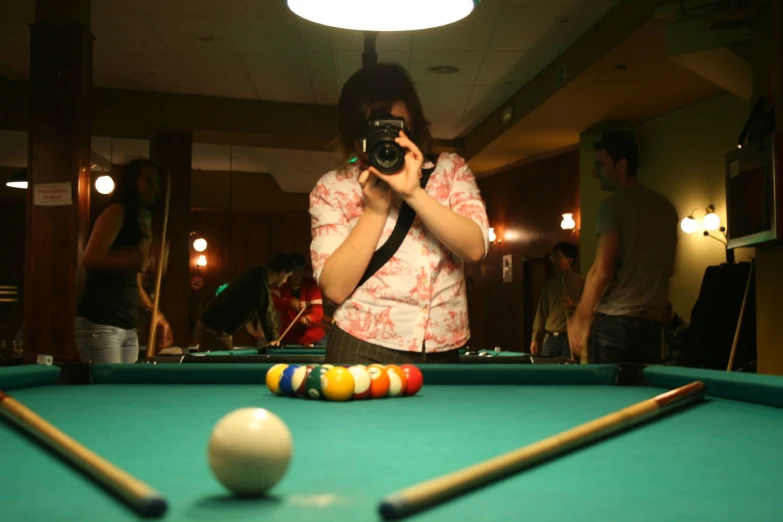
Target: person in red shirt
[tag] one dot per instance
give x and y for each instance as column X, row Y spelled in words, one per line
column 301, row 291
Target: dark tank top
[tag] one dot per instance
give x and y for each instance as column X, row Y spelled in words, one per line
column 112, row 298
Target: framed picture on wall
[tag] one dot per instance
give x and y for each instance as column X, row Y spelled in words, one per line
column 507, row 268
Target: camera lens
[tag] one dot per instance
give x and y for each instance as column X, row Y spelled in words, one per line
column 387, row 158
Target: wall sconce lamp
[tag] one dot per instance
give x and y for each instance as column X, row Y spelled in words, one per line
column 104, row 184
column 199, row 244
column 568, row 222
column 201, row 261
column 493, row 237
column 710, row 221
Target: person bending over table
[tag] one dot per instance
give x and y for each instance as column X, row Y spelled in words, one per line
column 242, row 301
column 413, row 308
column 298, row 293
column 626, row 294
column 558, row 301
column 116, row 256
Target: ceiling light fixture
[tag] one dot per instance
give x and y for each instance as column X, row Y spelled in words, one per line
column 443, row 69
column 381, row 15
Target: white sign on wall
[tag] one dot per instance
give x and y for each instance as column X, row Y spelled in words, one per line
column 52, row 194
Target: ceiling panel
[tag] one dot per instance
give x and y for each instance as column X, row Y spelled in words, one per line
column 192, row 34
column 120, row 150
column 323, row 73
column 280, row 76
column 467, row 63
column 521, row 28
column 218, row 72
column 350, row 62
column 261, row 33
column 470, row 34
column 129, row 34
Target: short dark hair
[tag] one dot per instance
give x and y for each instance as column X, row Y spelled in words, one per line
column 567, row 249
column 621, row 145
column 281, row 263
column 299, row 260
column 372, row 91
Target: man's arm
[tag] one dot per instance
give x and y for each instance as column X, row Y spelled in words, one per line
column 599, row 275
column 315, row 301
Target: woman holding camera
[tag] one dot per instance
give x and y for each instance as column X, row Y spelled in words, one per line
column 413, row 309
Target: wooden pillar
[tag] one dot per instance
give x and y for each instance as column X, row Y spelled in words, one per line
column 59, row 161
column 172, row 151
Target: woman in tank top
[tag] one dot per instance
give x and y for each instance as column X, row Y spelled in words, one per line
column 115, row 258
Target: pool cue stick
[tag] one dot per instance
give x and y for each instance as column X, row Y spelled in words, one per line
column 139, row 495
column 739, row 321
column 296, row 319
column 159, row 275
column 426, row 494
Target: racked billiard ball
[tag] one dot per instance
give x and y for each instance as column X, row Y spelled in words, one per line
column 313, row 382
column 362, row 382
column 413, row 378
column 379, row 381
column 338, row 384
column 397, row 380
column 286, row 381
column 273, row 378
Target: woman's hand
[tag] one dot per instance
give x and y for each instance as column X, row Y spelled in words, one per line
column 377, row 196
column 406, row 182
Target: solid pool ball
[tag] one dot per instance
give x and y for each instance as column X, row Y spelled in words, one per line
column 273, row 378
column 286, row 383
column 379, row 381
column 337, row 384
column 313, row 383
column 413, row 378
column 397, row 380
column 361, row 381
column 249, row 451
column 299, row 380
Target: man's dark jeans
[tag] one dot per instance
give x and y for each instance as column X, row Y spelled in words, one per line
column 624, row 339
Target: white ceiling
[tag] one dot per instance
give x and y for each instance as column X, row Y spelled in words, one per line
column 258, row 49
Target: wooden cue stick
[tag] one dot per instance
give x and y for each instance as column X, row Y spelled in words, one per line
column 562, row 279
column 296, row 319
column 739, row 321
column 139, row 495
column 426, row 494
column 159, row 275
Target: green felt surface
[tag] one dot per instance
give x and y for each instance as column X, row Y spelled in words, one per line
column 488, row 374
column 760, row 389
column 715, row 461
column 27, row 376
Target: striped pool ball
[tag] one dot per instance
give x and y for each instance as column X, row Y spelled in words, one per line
column 361, row 381
column 337, row 384
column 299, row 380
column 313, row 383
column 379, row 381
column 273, row 378
column 413, row 378
column 286, row 384
column 397, row 380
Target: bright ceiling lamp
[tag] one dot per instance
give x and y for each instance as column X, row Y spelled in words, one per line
column 382, row 15
column 18, row 180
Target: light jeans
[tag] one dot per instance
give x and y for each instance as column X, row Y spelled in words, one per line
column 100, row 343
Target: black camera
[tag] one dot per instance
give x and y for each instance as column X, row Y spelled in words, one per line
column 382, row 151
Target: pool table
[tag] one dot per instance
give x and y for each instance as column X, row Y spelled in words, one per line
column 304, row 354
column 718, row 460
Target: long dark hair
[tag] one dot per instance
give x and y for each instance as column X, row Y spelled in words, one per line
column 126, row 192
column 374, row 90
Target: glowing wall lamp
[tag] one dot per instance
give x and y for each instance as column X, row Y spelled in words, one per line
column 201, row 261
column 104, row 184
column 568, row 222
column 200, row 244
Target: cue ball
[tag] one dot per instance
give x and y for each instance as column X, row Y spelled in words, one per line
column 249, row 451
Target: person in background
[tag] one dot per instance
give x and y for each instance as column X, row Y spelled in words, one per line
column 414, row 308
column 300, row 292
column 558, row 301
column 623, row 306
column 240, row 303
column 116, row 257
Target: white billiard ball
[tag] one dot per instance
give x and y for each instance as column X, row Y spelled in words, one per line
column 249, row 451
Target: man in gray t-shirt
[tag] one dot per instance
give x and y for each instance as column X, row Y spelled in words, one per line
column 627, row 288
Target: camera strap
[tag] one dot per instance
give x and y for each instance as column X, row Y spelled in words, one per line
column 404, row 223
